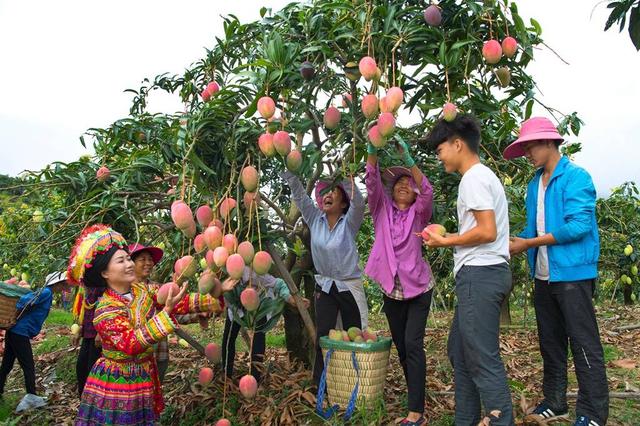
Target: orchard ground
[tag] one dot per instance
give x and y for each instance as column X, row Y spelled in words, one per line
column 286, row 395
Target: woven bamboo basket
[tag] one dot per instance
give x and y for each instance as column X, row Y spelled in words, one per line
column 9, row 295
column 372, row 360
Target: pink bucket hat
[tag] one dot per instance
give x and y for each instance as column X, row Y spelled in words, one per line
column 155, row 252
column 533, row 129
column 321, row 186
column 391, row 175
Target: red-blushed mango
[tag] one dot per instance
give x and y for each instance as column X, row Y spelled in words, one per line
column 435, row 228
column 235, row 266
column 248, row 386
column 503, row 75
column 449, row 111
column 218, row 223
column 103, row 174
column 163, row 292
column 185, row 267
column 385, row 105
column 370, row 106
column 294, row 160
column 492, row 52
column 181, row 215
column 199, row 244
column 395, row 96
column 212, row 237
column 369, row 336
column 191, row 230
column 265, row 143
column 210, row 262
column 353, row 332
column 386, row 124
column 205, row 95
column 375, row 137
column 246, row 250
column 509, row 47
column 206, row 282
column 226, row 206
column 212, row 88
column 262, row 262
column 282, row 142
column 266, row 107
column 250, row 299
column 250, row 200
column 213, row 352
column 249, row 178
column 204, row 215
column 331, row 118
column 206, row 376
column 307, row 71
column 223, row 422
column 432, row 16
column 367, row 67
column 220, row 255
column 230, row 242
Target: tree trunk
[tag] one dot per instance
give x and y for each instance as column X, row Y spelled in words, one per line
column 627, row 290
column 299, row 344
column 505, row 310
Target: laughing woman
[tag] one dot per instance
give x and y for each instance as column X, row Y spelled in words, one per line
column 333, row 225
column 400, row 201
column 123, row 387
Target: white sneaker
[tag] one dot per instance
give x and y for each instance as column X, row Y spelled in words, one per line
column 30, row 401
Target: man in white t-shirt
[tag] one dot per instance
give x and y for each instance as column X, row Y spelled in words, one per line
column 482, row 274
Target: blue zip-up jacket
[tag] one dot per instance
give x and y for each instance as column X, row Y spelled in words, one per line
column 30, row 323
column 570, row 215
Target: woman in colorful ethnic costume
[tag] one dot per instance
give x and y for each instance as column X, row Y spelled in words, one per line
column 123, row 387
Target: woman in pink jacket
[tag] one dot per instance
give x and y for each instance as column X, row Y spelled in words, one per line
column 400, row 202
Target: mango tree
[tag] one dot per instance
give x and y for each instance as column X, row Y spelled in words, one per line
column 294, row 81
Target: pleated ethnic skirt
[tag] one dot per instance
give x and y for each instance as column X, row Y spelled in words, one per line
column 121, row 393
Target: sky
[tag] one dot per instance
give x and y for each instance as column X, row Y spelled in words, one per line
column 65, row 66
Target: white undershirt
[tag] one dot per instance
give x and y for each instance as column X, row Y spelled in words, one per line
column 542, row 260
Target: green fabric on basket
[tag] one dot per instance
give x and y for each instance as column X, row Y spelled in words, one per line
column 383, row 344
column 13, row 290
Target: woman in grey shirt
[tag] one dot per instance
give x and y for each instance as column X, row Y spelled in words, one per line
column 334, row 223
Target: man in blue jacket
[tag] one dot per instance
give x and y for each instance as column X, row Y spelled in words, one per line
column 33, row 309
column 562, row 244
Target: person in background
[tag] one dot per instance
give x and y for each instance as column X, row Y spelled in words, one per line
column 145, row 258
column 32, row 310
column 273, row 288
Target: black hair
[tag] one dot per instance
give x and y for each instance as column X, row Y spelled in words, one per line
column 93, row 275
column 464, row 126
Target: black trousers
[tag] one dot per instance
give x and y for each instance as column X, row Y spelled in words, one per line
column 327, row 308
column 407, row 321
column 474, row 345
column 87, row 356
column 17, row 346
column 229, row 336
column 565, row 317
